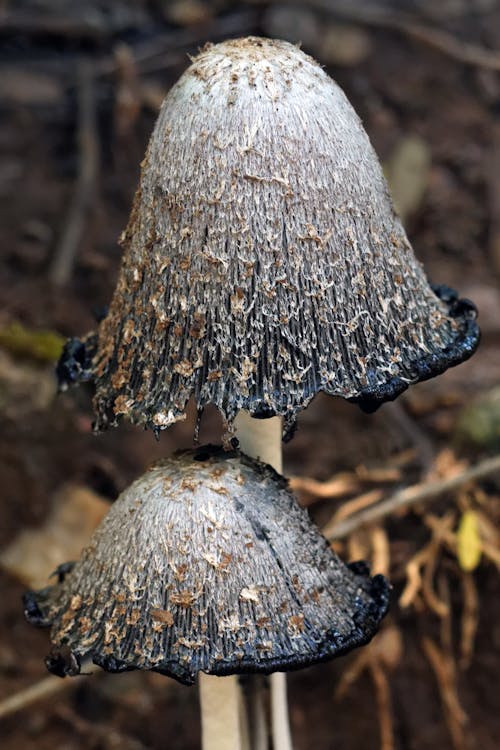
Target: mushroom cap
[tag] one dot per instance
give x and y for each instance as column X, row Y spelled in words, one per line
column 207, row 563
column 263, row 260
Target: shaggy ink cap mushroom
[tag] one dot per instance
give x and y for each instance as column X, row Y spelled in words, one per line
column 263, row 260
column 207, row 563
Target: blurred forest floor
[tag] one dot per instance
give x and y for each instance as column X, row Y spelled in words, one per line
column 80, row 86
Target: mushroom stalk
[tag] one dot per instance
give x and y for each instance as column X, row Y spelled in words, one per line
column 261, row 439
column 282, row 738
column 224, row 725
column 222, row 700
column 258, row 713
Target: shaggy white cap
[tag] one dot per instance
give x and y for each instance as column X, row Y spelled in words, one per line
column 263, row 261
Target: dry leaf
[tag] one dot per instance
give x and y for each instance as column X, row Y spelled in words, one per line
column 35, row 553
column 468, row 541
column 342, row 44
column 407, row 172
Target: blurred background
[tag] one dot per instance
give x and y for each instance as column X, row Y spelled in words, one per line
column 80, row 88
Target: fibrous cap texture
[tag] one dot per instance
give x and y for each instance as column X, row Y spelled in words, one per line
column 207, row 564
column 263, row 261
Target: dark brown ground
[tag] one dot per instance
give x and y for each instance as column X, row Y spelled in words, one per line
column 399, row 87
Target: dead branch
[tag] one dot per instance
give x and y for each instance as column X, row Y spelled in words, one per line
column 416, row 494
column 379, row 658
column 352, row 506
column 437, row 39
column 339, row 486
column 441, row 531
column 170, row 47
column 381, row 551
column 344, row 483
column 442, row 41
column 22, row 23
column 40, row 690
column 128, row 96
column 64, row 257
column 384, row 709
column 351, row 674
column 414, row 433
column 414, row 577
column 444, row 671
column 379, row 474
column 493, row 187
column 469, row 620
column 100, row 734
column 491, row 552
column 358, row 546
column 432, row 600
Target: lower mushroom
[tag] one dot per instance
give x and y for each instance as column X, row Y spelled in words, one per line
column 207, row 564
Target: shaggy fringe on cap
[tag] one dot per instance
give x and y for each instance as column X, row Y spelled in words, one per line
column 207, row 564
column 263, row 260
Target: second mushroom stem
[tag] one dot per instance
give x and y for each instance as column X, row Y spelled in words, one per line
column 233, row 719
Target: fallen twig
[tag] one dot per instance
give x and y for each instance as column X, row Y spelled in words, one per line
column 352, row 507
column 412, row 430
column 381, row 554
column 384, row 708
column 431, row 598
column 414, row 577
column 444, row 670
column 345, row 483
column 37, row 692
column 99, row 733
column 470, row 619
column 441, row 41
column 412, row 495
column 64, row 257
column 29, row 26
column 338, row 486
column 379, row 658
column 171, row 46
column 493, row 188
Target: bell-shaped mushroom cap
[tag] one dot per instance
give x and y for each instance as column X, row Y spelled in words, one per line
column 207, row 564
column 263, row 261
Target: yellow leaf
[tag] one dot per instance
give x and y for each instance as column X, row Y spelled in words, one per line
column 46, row 346
column 468, row 541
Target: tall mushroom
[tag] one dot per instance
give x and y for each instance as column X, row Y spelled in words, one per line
column 263, row 260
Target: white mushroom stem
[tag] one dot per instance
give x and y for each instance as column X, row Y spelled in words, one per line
column 257, row 711
column 223, row 721
column 282, row 738
column 224, row 714
column 261, row 439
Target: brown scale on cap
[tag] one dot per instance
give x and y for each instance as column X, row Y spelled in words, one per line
column 207, row 565
column 263, row 260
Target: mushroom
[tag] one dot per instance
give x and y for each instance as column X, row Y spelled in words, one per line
column 207, row 564
column 263, row 262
